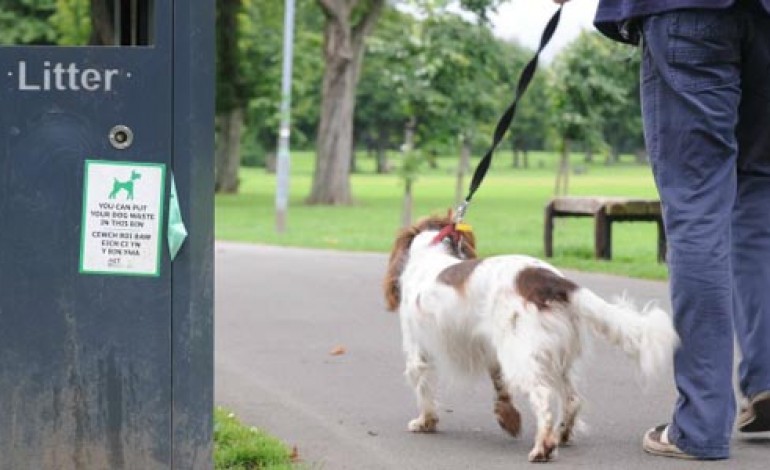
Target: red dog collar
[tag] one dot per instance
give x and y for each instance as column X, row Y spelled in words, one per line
column 452, row 232
column 446, row 232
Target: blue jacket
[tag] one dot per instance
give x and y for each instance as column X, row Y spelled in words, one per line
column 612, row 16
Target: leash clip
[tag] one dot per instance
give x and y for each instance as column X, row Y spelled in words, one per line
column 460, row 212
column 453, row 232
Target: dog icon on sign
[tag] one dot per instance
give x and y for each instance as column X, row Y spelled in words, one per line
column 127, row 186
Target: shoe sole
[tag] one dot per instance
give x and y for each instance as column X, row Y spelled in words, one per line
column 760, row 421
column 674, row 454
column 664, row 450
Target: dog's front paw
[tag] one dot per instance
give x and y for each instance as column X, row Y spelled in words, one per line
column 425, row 423
column 543, row 452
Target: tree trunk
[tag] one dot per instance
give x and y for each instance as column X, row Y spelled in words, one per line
column 383, row 166
column 407, row 148
column 433, row 159
column 343, row 54
column 271, row 163
column 526, row 158
column 406, row 211
column 331, row 183
column 353, row 156
column 462, row 168
column 409, row 128
column 613, row 156
column 562, row 174
column 102, row 31
column 380, row 146
column 371, row 144
column 228, row 155
column 230, row 98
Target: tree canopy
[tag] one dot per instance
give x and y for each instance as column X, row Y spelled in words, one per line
column 424, row 73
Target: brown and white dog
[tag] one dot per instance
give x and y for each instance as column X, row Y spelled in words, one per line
column 514, row 318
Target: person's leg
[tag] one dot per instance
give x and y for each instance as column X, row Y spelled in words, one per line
column 690, row 97
column 751, row 217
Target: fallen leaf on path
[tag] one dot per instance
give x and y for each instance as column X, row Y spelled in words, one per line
column 338, row 351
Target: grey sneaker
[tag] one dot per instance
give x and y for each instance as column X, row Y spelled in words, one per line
column 656, row 442
column 756, row 416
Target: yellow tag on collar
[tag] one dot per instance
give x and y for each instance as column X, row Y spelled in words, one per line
column 461, row 227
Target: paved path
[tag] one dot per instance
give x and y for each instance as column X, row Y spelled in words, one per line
column 281, row 311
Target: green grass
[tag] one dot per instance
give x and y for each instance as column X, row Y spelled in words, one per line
column 237, row 447
column 507, row 211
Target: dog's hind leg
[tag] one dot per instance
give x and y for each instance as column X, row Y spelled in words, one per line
column 572, row 403
column 523, row 371
column 421, row 373
column 542, row 399
column 507, row 415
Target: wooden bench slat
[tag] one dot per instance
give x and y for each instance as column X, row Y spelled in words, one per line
column 605, row 211
column 577, row 205
column 612, row 205
column 633, row 208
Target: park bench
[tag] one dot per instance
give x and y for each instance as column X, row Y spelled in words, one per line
column 605, row 211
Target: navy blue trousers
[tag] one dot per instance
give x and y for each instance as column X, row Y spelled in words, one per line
column 706, row 107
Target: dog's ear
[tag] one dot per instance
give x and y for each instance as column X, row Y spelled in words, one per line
column 398, row 258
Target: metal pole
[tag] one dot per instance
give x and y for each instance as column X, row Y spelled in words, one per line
column 283, row 161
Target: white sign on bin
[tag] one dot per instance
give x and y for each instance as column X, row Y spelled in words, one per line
column 122, row 215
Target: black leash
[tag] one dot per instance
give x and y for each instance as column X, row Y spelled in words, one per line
column 505, row 121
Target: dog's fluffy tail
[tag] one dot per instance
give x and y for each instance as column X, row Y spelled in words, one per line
column 646, row 335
